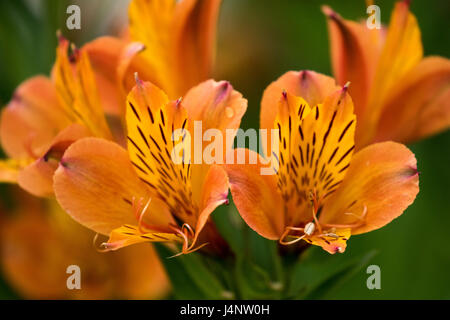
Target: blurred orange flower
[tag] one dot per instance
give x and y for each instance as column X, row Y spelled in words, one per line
column 38, row 241
column 398, row 94
column 44, row 117
column 86, row 95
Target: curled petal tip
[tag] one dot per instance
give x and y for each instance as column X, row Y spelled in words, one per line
column 224, row 90
column 105, row 247
column 414, row 171
column 329, row 12
column 59, row 36
column 339, row 249
column 304, row 74
column 225, row 86
column 225, row 83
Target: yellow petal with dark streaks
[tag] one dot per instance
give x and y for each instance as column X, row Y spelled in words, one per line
column 127, row 235
column 317, row 151
column 151, row 120
column 151, row 24
column 402, row 51
column 333, row 242
column 77, row 91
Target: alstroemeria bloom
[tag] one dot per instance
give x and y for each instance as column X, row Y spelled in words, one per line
column 322, row 191
column 39, row 241
column 45, row 116
column 179, row 39
column 398, row 94
column 151, row 198
column 169, row 43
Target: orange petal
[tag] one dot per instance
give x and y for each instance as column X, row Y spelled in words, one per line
column 402, row 51
column 151, row 121
column 33, row 259
column 130, row 63
column 128, row 235
column 315, row 150
column 10, row 168
column 331, row 244
column 37, row 178
column 96, row 184
column 419, row 105
column 382, row 179
column 151, row 24
column 104, row 55
column 32, row 119
column 215, row 193
column 76, row 86
column 194, row 39
column 216, row 104
column 256, row 196
column 355, row 50
column 309, row 85
column 219, row 107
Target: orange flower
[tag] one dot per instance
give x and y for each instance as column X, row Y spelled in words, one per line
column 46, row 116
column 398, row 94
column 151, row 198
column 169, row 43
column 178, row 37
column 37, row 269
column 322, row 191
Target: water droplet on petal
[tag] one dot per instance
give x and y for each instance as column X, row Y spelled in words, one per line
column 229, row 112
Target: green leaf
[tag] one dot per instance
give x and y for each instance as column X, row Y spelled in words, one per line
column 183, row 287
column 258, row 270
column 190, row 276
column 319, row 274
column 230, row 226
column 253, row 282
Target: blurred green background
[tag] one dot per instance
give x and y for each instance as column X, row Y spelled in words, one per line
column 259, row 40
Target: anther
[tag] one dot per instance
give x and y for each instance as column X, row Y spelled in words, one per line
column 310, row 227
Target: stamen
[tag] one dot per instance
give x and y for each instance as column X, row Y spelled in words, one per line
column 188, row 227
column 361, row 222
column 185, row 231
column 141, row 216
column 286, row 243
column 329, row 234
column 361, row 217
column 286, row 234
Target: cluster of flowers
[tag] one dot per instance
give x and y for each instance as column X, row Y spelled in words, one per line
column 97, row 136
